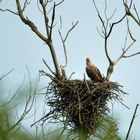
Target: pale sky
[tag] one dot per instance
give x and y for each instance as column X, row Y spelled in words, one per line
column 19, row 47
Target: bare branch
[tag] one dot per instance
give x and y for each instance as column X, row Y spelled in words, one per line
column 99, row 32
column 53, row 17
column 4, row 75
column 107, row 30
column 38, row 3
column 8, row 10
column 25, row 5
column 137, row 13
column 12, row 98
column 132, row 121
column 135, row 19
column 131, row 55
column 125, row 49
column 60, row 3
column 129, row 13
column 123, row 53
column 73, row 26
column 45, row 18
column 48, row 67
column 128, row 28
column 29, row 23
column 104, row 31
column 127, row 8
column 105, row 11
column 64, row 47
column 115, row 23
column 64, row 40
column 47, row 39
column 28, row 105
column 61, row 24
column 13, row 12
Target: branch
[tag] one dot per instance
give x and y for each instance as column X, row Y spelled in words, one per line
column 131, row 55
column 45, row 17
column 48, row 67
column 53, row 17
column 73, row 26
column 115, row 23
column 125, row 49
column 60, row 3
column 28, row 105
column 106, row 31
column 123, row 53
column 8, row 10
column 16, row 13
column 29, row 23
column 132, row 121
column 47, row 39
column 137, row 13
column 25, row 5
column 4, row 75
column 64, row 47
column 64, row 40
column 129, row 13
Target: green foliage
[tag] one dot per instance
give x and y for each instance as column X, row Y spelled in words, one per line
column 110, row 130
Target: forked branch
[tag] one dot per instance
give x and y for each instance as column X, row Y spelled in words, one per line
column 30, row 23
column 136, row 17
column 47, row 39
column 63, row 39
column 107, row 28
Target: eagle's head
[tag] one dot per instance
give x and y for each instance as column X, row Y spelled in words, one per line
column 89, row 62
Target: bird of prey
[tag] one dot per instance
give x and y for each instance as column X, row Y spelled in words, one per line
column 92, row 71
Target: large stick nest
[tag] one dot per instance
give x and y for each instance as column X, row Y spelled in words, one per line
column 80, row 104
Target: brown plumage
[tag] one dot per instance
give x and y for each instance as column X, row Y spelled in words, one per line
column 92, row 71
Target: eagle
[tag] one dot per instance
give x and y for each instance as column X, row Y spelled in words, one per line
column 92, row 71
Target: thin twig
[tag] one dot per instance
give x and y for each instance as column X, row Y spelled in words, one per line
column 136, row 13
column 48, row 67
column 8, row 10
column 45, row 18
column 132, row 121
column 129, row 13
column 26, row 3
column 131, row 55
column 28, row 105
column 60, row 3
column 4, row 75
column 125, row 49
column 53, row 17
column 64, row 40
column 73, row 26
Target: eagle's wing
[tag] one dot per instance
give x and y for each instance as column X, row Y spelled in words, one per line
column 94, row 73
column 89, row 73
column 98, row 73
